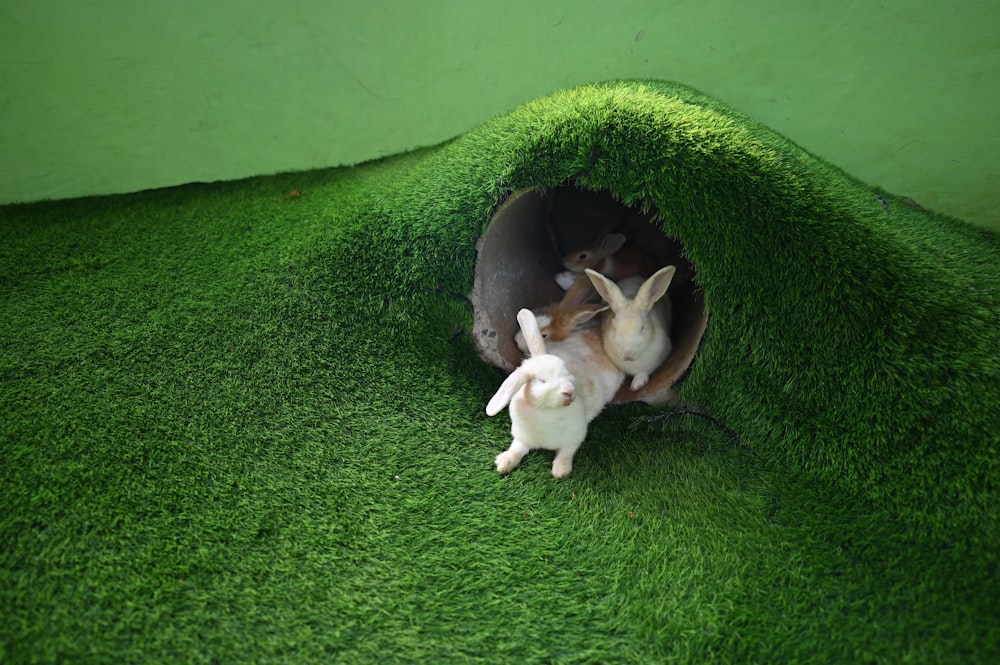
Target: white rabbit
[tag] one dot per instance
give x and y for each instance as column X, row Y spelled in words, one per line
column 545, row 411
column 582, row 349
column 636, row 332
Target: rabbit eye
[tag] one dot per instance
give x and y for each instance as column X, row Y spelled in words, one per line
column 583, row 256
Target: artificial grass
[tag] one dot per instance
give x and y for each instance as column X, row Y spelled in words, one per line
column 243, row 426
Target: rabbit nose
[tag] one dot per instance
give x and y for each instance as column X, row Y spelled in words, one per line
column 568, row 394
column 628, row 355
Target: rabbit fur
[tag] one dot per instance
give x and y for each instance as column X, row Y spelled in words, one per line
column 545, row 409
column 609, row 256
column 569, row 334
column 636, row 332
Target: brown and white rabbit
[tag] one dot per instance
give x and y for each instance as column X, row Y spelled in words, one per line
column 567, row 334
column 636, row 332
column 578, row 306
column 545, row 411
column 608, row 255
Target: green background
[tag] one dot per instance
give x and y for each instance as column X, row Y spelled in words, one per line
column 115, row 96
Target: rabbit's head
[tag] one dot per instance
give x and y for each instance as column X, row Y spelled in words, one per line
column 560, row 322
column 547, row 381
column 629, row 332
column 590, row 256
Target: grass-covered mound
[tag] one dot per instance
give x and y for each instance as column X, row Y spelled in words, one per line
column 244, row 421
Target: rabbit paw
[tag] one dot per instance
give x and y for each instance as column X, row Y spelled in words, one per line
column 562, row 464
column 566, row 279
column 561, row 468
column 507, row 461
column 639, row 381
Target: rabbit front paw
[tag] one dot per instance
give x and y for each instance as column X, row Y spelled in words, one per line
column 563, row 463
column 639, row 381
column 566, row 279
column 508, row 460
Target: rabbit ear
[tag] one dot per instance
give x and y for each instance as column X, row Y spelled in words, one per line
column 612, row 243
column 655, row 287
column 506, row 391
column 584, row 313
column 608, row 289
column 532, row 333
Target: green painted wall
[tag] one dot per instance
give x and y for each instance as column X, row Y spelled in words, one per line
column 121, row 95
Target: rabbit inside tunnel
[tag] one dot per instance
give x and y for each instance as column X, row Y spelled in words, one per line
column 612, row 322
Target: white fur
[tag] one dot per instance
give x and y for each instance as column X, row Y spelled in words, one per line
column 566, row 279
column 597, row 377
column 636, row 332
column 545, row 411
column 582, row 349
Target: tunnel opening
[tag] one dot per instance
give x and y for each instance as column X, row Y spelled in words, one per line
column 522, row 251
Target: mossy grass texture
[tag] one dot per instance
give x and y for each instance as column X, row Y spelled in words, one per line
column 243, row 422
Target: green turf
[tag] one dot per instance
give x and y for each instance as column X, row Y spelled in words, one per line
column 241, row 426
